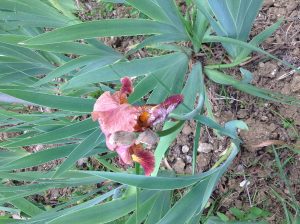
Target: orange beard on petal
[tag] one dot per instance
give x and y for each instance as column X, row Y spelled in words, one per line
column 143, row 118
column 122, row 97
column 143, row 157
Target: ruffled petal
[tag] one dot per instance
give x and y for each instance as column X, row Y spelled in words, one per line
column 110, row 145
column 159, row 113
column 123, row 118
column 147, row 137
column 172, row 102
column 123, row 152
column 127, row 87
column 106, row 102
column 143, row 157
column 123, row 138
column 113, row 113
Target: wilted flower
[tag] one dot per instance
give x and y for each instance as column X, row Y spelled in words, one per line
column 127, row 128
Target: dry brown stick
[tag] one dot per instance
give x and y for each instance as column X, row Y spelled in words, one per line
column 268, row 143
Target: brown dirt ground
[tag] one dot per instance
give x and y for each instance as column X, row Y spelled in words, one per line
column 266, row 120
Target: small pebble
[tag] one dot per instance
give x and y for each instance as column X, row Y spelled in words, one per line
column 264, row 118
column 203, row 160
column 244, row 183
column 295, row 85
column 185, row 149
column 268, row 3
column 187, row 130
column 188, row 159
column 261, row 64
column 179, row 166
column 205, row 147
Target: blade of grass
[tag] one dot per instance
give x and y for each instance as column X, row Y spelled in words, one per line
column 285, row 180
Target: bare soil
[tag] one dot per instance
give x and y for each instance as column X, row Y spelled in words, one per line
column 267, row 122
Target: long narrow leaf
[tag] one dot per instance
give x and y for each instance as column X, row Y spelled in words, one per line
column 102, row 28
column 88, row 144
column 118, row 70
column 53, row 101
column 61, row 133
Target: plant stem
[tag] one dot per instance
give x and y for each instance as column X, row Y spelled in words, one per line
column 137, row 168
column 137, row 172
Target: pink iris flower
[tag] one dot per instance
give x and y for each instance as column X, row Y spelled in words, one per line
column 127, row 128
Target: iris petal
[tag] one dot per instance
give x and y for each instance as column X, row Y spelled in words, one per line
column 123, row 152
column 143, row 157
